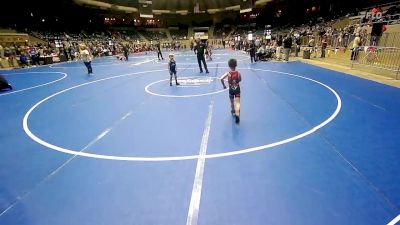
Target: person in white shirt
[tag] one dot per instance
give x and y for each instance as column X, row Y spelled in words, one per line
column 311, row 45
column 356, row 45
column 86, row 57
column 261, row 52
column 257, row 43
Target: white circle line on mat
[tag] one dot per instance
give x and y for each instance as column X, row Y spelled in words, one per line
column 187, row 157
column 30, row 88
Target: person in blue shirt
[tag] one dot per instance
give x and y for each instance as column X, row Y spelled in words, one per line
column 172, row 69
column 23, row 60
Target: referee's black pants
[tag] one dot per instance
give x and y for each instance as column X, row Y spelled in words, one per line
column 200, row 58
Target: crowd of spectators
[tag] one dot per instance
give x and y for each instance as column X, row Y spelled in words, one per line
column 59, row 47
column 173, row 45
column 319, row 35
column 221, row 32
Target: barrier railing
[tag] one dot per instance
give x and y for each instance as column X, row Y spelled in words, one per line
column 387, row 58
column 334, row 41
column 369, row 58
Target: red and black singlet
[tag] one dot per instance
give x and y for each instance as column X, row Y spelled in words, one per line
column 233, row 79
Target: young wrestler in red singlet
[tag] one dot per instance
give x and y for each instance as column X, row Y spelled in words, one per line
column 234, row 79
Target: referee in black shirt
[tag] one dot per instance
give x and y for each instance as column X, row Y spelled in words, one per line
column 158, row 45
column 199, row 50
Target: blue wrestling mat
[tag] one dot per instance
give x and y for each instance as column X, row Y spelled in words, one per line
column 314, row 146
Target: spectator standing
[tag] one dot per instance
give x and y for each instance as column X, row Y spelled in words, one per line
column 356, row 45
column 34, row 56
column 324, row 44
column 298, row 45
column 125, row 48
column 376, row 32
column 261, row 52
column 23, row 60
column 87, row 58
column 257, row 43
column 287, row 45
column 278, row 47
column 311, row 44
column 252, row 51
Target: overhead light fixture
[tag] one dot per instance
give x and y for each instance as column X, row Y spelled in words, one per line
column 245, row 10
column 161, row 11
column 146, row 16
column 127, row 9
column 235, row 7
column 145, row 2
column 262, row 2
column 182, row 11
column 211, row 11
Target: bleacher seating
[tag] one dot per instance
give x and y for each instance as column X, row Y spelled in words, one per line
column 153, row 35
column 180, row 34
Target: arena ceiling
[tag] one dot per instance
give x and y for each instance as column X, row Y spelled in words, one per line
column 170, row 6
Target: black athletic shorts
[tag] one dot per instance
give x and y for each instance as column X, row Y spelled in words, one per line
column 234, row 92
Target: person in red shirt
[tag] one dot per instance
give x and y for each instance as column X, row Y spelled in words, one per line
column 376, row 9
column 234, row 78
